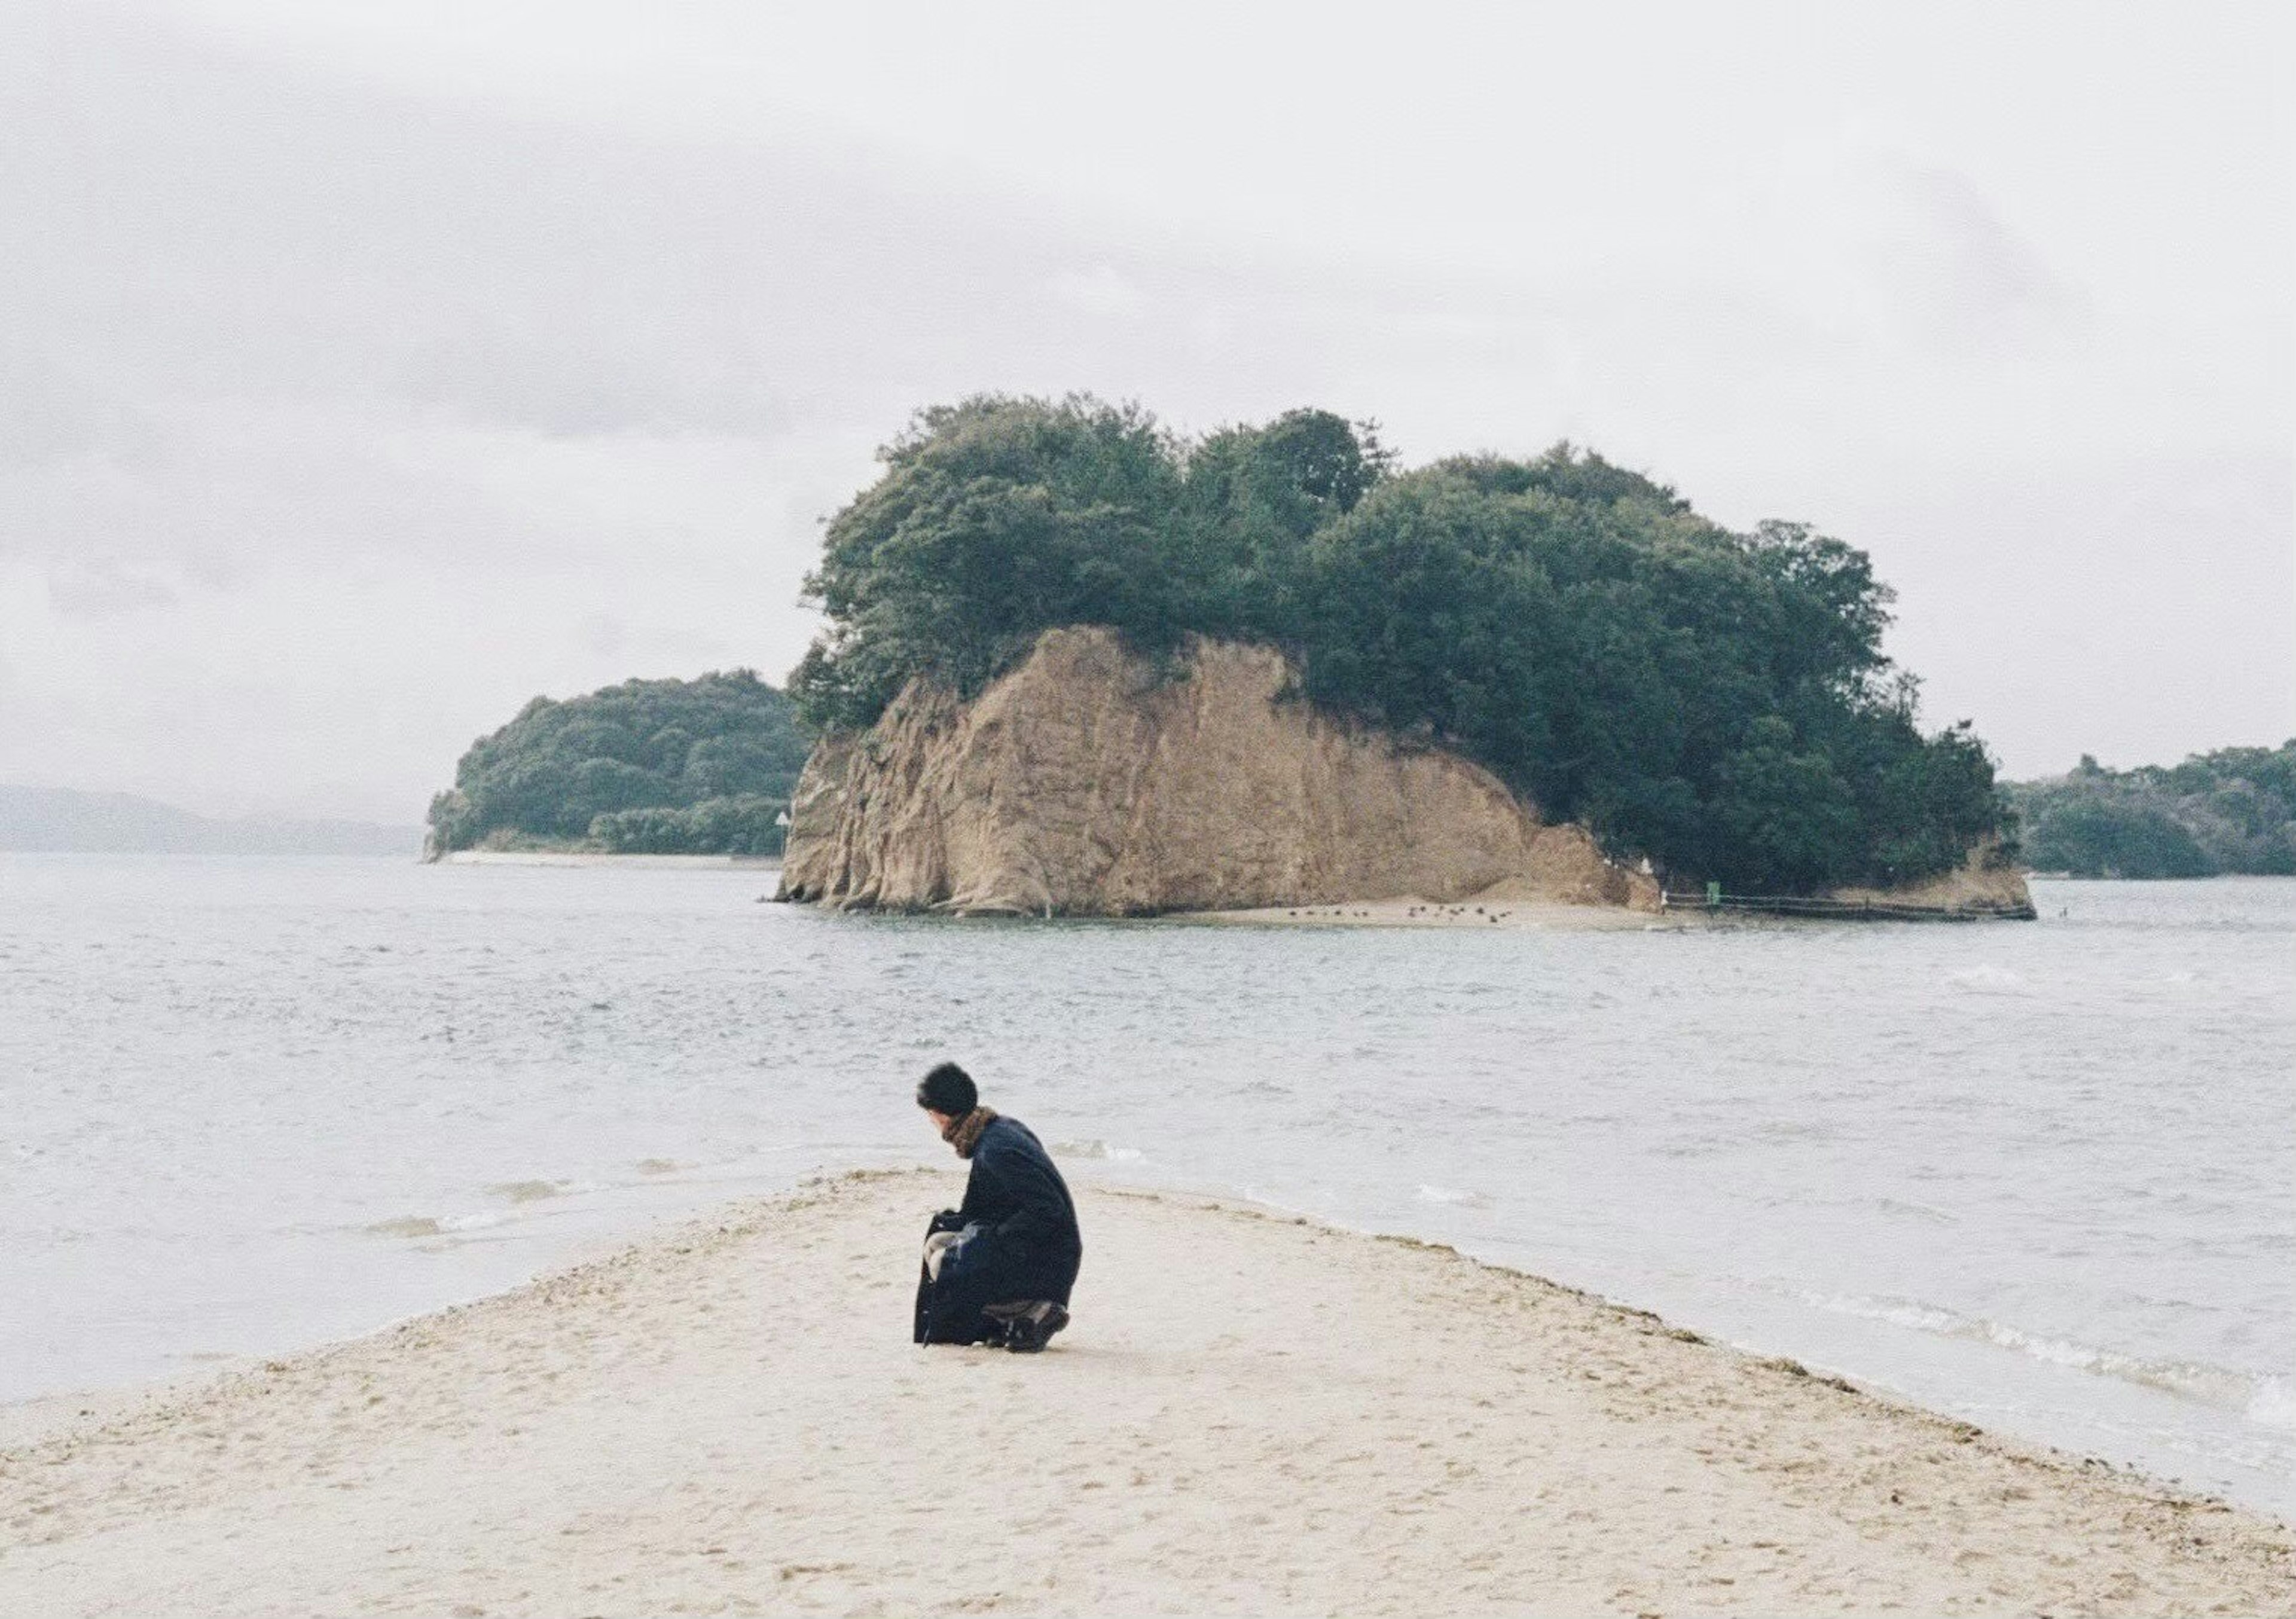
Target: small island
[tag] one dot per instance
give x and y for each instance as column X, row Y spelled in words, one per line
column 1078, row 665
column 699, row 767
column 2229, row 812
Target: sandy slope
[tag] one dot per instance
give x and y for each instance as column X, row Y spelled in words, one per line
column 1250, row 1415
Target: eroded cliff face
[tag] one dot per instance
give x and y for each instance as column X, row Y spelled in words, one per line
column 1092, row 782
column 1985, row 884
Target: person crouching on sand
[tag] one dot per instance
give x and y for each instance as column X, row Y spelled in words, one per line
column 999, row 1269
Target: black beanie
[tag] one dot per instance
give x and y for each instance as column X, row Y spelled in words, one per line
column 948, row 1089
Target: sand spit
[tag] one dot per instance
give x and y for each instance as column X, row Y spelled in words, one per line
column 1533, row 915
column 1250, row 1415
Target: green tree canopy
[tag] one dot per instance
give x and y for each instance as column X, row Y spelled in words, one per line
column 995, row 518
column 2233, row 810
column 1719, row 701
column 726, row 741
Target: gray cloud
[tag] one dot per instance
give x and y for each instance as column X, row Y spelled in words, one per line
column 353, row 397
column 1963, row 274
column 103, row 588
column 48, row 415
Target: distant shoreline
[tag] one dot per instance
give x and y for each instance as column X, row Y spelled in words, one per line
column 578, row 857
column 66, row 821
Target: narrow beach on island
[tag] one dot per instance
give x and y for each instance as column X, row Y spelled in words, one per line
column 1251, row 1414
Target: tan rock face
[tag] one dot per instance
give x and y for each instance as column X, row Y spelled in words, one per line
column 1985, row 883
column 1092, row 782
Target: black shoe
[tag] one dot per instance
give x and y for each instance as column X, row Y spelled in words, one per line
column 1031, row 1330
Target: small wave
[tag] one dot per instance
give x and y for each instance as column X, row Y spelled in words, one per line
column 2273, row 1404
column 1456, row 1200
column 1919, row 1211
column 531, row 1191
column 437, row 1225
column 1989, row 979
column 1282, row 1204
column 1898, row 1312
column 406, row 1225
column 1694, row 1146
column 1097, row 1149
column 477, row 1221
column 2265, row 1400
column 1791, row 1129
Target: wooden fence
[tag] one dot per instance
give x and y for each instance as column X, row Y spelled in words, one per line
column 1848, row 911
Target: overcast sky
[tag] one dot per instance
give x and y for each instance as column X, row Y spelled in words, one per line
column 369, row 368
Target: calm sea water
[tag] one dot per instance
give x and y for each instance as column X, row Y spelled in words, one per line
column 2042, row 1176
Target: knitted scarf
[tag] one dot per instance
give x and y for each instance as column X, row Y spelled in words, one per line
column 964, row 1133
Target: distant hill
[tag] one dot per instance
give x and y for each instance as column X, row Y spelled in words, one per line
column 701, row 766
column 2233, row 811
column 60, row 820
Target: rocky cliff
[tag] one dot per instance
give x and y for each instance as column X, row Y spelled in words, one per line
column 1092, row 781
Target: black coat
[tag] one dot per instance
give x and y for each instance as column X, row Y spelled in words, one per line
column 1024, row 1244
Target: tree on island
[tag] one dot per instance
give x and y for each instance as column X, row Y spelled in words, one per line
column 2230, row 811
column 1717, row 701
column 699, row 767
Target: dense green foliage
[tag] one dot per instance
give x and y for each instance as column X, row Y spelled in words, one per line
column 748, row 824
column 1717, row 701
column 2233, row 810
column 674, row 766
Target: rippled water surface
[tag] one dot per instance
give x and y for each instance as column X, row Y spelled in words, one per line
column 2042, row 1175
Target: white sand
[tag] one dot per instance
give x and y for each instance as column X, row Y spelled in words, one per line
column 1537, row 915
column 1249, row 1415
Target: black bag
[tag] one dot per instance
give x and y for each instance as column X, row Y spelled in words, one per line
column 963, row 1322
